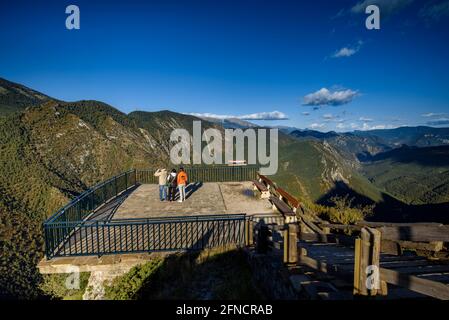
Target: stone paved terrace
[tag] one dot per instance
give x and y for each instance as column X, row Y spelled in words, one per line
column 201, row 199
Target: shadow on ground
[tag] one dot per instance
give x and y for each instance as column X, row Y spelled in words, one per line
column 217, row 274
column 192, row 188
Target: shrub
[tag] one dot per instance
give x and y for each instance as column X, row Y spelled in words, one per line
column 126, row 286
column 53, row 285
column 343, row 211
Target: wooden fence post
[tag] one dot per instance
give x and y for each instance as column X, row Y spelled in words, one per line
column 249, row 229
column 367, row 264
column 285, row 237
column 246, row 232
column 251, row 233
column 290, row 244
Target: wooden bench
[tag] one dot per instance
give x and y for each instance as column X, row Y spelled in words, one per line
column 288, row 198
column 262, row 188
column 270, row 184
column 283, row 208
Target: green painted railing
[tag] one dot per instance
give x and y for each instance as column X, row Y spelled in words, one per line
column 219, row 173
column 80, row 208
column 67, row 221
column 120, row 236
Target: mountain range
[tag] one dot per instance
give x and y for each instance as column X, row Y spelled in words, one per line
column 52, row 150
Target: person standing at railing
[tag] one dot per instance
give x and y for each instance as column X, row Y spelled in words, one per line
column 162, row 174
column 182, row 182
column 171, row 184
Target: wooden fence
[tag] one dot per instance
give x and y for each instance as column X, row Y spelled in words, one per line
column 358, row 258
column 368, row 254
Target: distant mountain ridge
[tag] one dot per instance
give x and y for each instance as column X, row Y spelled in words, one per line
column 15, row 97
column 231, row 123
column 420, row 136
column 350, row 146
column 313, row 134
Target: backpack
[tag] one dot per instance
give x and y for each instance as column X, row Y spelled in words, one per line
column 171, row 180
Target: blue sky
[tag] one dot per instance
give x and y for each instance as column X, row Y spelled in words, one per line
column 314, row 62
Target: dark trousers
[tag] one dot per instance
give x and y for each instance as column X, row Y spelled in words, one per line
column 171, row 193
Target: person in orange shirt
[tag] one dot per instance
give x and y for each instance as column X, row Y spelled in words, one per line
column 182, row 182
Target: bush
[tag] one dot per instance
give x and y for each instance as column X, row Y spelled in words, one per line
column 343, row 211
column 126, row 287
column 20, row 251
column 53, row 285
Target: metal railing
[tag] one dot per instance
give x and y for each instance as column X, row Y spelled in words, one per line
column 144, row 235
column 71, row 223
column 80, row 208
column 213, row 173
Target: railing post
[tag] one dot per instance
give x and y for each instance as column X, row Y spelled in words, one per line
column 104, row 193
column 98, row 238
column 47, row 236
column 249, row 226
column 126, row 181
column 93, row 200
column 135, row 176
column 367, row 264
column 291, row 244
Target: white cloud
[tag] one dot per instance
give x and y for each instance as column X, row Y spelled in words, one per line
column 387, row 7
column 317, row 125
column 341, row 126
column 366, row 119
column 329, row 117
column 432, row 114
column 305, row 113
column 348, row 51
column 365, row 126
column 344, row 52
column 273, row 115
column 325, row 97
